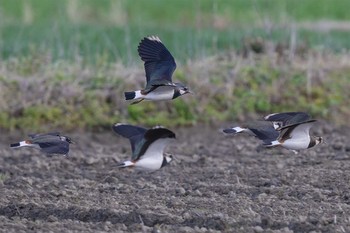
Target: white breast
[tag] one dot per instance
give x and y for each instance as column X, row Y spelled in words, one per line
column 299, row 137
column 153, row 158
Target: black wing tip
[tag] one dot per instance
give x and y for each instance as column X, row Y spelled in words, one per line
column 150, row 47
column 159, row 132
column 172, row 135
column 14, row 144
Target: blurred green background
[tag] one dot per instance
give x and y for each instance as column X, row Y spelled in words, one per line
column 193, row 29
column 66, row 63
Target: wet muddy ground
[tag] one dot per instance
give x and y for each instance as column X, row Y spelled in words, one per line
column 217, row 184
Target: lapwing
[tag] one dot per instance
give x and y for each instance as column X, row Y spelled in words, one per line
column 294, row 131
column 147, row 146
column 49, row 143
column 263, row 130
column 159, row 67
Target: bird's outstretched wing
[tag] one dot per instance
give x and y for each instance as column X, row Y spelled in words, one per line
column 43, row 134
column 288, row 118
column 134, row 133
column 265, row 133
column 159, row 63
column 55, row 147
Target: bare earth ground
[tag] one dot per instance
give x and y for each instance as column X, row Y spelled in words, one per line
column 217, row 184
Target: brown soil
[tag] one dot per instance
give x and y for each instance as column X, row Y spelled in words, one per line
column 218, row 184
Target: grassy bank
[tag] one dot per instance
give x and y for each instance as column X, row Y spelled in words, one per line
column 37, row 93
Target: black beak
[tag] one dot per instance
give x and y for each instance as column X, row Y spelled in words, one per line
column 72, row 142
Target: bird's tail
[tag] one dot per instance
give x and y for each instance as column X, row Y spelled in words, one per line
column 20, row 144
column 130, row 95
column 126, row 164
column 234, row 130
column 271, row 143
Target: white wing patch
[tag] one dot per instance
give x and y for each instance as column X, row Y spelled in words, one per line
column 270, row 115
column 276, row 125
column 154, row 38
column 158, row 127
column 239, row 129
column 118, row 124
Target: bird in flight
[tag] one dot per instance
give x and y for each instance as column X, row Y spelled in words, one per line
column 159, row 67
column 294, row 130
column 290, row 130
column 50, row 143
column 147, row 146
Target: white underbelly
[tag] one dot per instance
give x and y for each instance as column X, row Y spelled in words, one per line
column 149, row 164
column 296, row 144
column 161, row 93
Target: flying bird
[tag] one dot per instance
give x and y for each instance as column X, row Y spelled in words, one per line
column 159, row 67
column 147, row 146
column 50, row 143
column 290, row 130
column 294, row 131
column 263, row 130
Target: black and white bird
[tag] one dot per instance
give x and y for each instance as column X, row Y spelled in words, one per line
column 294, row 131
column 147, row 146
column 50, row 143
column 159, row 67
column 263, row 130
